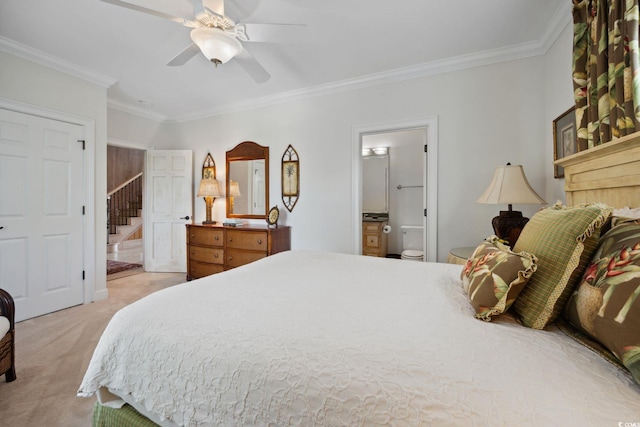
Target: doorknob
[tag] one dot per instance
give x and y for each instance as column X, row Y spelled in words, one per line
column 186, row 217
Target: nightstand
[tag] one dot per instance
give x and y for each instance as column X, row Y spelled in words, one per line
column 460, row 255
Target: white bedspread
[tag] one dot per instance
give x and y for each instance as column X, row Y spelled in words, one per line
column 310, row 338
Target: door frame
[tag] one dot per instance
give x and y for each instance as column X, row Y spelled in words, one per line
column 430, row 202
column 115, row 142
column 89, row 226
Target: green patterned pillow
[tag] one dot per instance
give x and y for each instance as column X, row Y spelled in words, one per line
column 563, row 239
column 605, row 304
column 494, row 276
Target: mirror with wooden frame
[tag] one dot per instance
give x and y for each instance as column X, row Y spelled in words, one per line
column 247, row 186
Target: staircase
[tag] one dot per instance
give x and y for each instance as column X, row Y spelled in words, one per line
column 124, row 212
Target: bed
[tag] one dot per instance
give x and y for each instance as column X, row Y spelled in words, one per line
column 313, row 338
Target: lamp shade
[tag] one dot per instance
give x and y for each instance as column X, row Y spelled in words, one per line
column 234, row 189
column 209, row 188
column 509, row 186
column 216, row 45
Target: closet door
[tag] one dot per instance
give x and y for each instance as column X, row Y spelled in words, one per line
column 41, row 213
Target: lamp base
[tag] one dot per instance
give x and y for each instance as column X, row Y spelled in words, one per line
column 508, row 225
column 208, row 222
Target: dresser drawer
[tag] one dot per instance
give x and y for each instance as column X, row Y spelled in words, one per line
column 212, row 255
column 205, row 236
column 249, row 240
column 201, row 269
column 236, row 258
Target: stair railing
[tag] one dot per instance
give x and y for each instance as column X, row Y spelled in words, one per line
column 123, row 202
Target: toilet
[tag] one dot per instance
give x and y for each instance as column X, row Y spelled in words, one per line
column 412, row 237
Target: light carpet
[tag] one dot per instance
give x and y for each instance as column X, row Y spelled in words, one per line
column 53, row 352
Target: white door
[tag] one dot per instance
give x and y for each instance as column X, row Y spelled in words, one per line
column 41, row 213
column 168, row 207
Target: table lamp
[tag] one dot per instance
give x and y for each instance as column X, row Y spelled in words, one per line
column 209, row 190
column 234, row 191
column 510, row 186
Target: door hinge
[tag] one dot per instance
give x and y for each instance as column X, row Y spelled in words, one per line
column 425, row 148
column 83, row 210
column 425, row 212
column 82, row 140
column 82, row 274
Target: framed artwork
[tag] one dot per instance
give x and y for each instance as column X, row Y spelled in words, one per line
column 290, row 178
column 565, row 141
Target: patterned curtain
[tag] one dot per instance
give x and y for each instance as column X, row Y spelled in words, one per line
column 605, row 70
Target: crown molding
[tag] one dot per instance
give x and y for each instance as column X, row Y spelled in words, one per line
column 561, row 18
column 25, row 52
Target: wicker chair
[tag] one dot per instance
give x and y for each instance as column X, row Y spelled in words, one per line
column 7, row 343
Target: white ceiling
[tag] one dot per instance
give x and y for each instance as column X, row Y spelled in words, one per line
column 350, row 43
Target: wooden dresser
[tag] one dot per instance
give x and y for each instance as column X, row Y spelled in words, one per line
column 214, row 248
column 374, row 241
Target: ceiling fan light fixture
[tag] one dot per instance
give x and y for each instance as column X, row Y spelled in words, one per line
column 216, row 45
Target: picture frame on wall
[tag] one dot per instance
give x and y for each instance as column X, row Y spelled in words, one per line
column 565, row 141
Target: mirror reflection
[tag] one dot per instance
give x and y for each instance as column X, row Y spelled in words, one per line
column 247, row 186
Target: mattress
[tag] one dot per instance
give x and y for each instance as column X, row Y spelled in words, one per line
column 313, row 338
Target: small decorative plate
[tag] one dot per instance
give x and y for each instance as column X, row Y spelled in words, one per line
column 274, row 214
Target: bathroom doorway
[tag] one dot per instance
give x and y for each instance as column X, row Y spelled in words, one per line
column 412, row 180
column 404, row 190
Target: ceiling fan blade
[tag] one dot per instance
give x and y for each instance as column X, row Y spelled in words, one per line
column 184, row 56
column 276, row 33
column 214, row 6
column 185, row 22
column 252, row 66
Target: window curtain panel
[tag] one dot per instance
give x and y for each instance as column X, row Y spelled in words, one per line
column 605, row 70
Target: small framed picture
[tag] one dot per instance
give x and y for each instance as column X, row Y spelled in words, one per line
column 565, row 141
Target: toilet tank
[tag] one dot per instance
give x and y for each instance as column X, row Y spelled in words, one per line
column 412, row 237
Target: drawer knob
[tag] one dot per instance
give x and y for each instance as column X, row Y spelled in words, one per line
column 230, row 258
column 216, row 238
column 230, row 239
column 215, row 256
column 193, row 235
column 259, row 241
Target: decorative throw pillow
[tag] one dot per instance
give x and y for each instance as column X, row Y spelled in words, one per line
column 563, row 239
column 494, row 276
column 605, row 304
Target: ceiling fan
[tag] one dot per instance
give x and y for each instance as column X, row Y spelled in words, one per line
column 220, row 39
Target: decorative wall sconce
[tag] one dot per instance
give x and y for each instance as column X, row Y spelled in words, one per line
column 290, row 178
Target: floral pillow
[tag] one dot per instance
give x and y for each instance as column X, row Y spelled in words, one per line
column 494, row 276
column 605, row 304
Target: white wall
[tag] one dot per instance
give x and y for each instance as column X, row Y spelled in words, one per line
column 36, row 85
column 558, row 88
column 487, row 116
